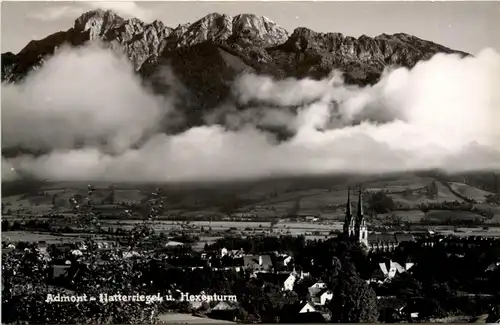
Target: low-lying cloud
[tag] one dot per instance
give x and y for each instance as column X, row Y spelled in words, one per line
column 84, row 96
column 440, row 114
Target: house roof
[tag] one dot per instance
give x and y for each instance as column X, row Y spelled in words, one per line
column 390, row 238
column 326, row 290
column 253, row 261
column 223, row 306
column 174, row 244
column 402, row 237
column 378, row 274
column 291, row 314
column 60, row 270
column 273, row 277
column 295, row 308
column 314, row 288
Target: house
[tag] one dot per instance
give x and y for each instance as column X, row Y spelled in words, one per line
column 307, row 308
column 76, row 252
column 106, row 244
column 7, row 250
column 412, row 310
column 409, row 312
column 316, row 288
column 226, row 262
column 62, row 275
column 289, row 282
column 301, row 312
column 387, row 271
column 233, row 253
column 257, row 262
column 322, row 297
column 282, row 261
column 286, row 280
column 197, row 305
column 492, row 267
column 131, row 254
column 224, row 311
column 173, row 244
column 390, row 309
column 59, row 271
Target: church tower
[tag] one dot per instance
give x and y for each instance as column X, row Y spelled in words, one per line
column 349, row 221
column 361, row 230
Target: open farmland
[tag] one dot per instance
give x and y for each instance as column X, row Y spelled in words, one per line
column 262, row 201
column 441, row 215
column 35, row 236
column 413, row 216
column 294, row 227
column 470, row 192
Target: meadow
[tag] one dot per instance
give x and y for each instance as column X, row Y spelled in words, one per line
column 250, row 202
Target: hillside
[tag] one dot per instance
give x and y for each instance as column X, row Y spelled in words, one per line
column 208, row 54
column 256, row 199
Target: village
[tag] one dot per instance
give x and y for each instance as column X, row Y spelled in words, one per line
column 355, row 275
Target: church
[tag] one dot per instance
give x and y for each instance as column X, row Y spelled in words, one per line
column 355, row 227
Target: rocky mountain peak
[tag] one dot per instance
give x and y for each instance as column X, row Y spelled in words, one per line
column 208, row 54
column 242, row 30
column 97, row 22
column 252, row 28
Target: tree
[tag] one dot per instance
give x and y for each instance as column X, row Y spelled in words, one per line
column 265, row 302
column 381, row 203
column 294, row 210
column 110, row 198
column 355, row 301
column 432, row 189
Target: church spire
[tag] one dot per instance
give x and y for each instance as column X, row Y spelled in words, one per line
column 348, row 212
column 361, row 212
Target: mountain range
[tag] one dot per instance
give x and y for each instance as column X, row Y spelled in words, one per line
column 208, row 54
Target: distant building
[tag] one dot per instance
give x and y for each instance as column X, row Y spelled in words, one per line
column 355, row 227
column 387, row 271
column 301, row 312
column 257, row 262
column 316, row 288
column 286, row 280
column 322, row 297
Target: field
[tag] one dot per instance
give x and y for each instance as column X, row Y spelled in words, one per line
column 470, row 192
column 321, row 197
column 294, row 228
column 440, row 215
column 33, row 236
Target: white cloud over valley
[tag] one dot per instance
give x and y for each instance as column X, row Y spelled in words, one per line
column 441, row 114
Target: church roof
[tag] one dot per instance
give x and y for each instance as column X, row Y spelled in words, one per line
column 402, row 237
column 381, row 238
column 390, row 238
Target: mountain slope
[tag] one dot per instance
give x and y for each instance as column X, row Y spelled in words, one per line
column 209, row 53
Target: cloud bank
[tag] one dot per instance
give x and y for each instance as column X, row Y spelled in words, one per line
column 440, row 114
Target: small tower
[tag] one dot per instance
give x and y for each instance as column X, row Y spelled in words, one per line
column 349, row 220
column 361, row 231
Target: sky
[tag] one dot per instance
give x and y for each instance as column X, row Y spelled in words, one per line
column 468, row 26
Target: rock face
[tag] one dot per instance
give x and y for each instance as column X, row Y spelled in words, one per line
column 209, row 53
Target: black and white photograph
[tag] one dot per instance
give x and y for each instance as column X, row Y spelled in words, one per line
column 199, row 162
